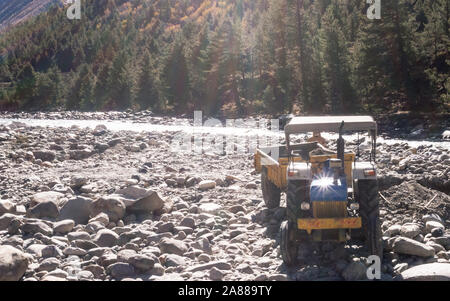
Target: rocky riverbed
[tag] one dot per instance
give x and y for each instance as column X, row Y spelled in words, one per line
column 93, row 203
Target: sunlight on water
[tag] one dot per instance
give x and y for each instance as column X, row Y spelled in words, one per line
column 120, row 125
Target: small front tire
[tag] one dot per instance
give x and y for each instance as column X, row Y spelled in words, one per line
column 288, row 244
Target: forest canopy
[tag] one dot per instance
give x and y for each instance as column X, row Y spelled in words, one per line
column 230, row 58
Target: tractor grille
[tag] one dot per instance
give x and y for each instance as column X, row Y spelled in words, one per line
column 329, row 209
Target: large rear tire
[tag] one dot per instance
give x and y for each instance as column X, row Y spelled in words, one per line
column 370, row 215
column 271, row 193
column 296, row 194
column 288, row 244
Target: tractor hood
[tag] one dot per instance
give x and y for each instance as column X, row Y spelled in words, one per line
column 325, row 189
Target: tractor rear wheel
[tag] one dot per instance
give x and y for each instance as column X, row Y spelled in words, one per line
column 296, row 194
column 288, row 243
column 370, row 215
column 271, row 193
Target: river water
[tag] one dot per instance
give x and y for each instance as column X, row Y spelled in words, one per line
column 182, row 126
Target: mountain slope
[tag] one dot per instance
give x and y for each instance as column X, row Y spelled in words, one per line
column 13, row 12
column 232, row 57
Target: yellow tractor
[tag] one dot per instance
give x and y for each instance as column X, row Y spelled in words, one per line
column 330, row 195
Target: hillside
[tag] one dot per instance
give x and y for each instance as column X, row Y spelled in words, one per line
column 14, row 12
column 229, row 58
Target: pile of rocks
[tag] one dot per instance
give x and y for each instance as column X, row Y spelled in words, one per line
column 92, row 204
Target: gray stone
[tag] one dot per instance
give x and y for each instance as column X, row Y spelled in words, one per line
column 215, row 274
column 5, row 220
column 172, row 246
column 173, row 260
column 142, row 262
column 120, row 270
column 430, row 225
column 13, row 263
column 74, row 251
column 355, row 271
column 76, row 209
column 188, row 222
column 80, row 154
column 428, row 272
column 64, row 226
column 211, row 208
column 49, row 264
column 165, row 227
column 44, row 209
column 36, row 227
column 45, row 155
column 78, row 235
column 410, row 230
column 221, row 265
column 409, row 246
column 106, row 238
column 431, row 217
column 7, row 207
column 149, row 202
column 112, row 206
column 47, row 196
column 125, row 255
column 102, row 218
column 205, row 185
column 84, row 244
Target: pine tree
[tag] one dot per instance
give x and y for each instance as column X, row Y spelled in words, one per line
column 26, row 87
column 120, row 83
column 340, row 92
column 147, row 94
column 176, row 75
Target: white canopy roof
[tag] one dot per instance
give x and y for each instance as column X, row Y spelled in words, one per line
column 330, row 124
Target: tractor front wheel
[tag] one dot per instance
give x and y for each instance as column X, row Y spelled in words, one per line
column 370, row 214
column 271, row 193
column 297, row 192
column 288, row 244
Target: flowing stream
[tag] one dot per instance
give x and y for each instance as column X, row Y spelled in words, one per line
column 183, row 126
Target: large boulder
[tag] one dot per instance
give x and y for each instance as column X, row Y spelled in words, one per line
column 13, row 263
column 140, row 200
column 410, row 230
column 36, row 226
column 172, row 246
column 112, row 206
column 77, row 209
column 5, row 220
column 44, row 209
column 404, row 245
column 106, row 238
column 427, row 272
column 46, row 196
column 7, row 207
column 64, row 226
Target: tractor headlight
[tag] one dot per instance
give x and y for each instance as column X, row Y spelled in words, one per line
column 369, row 172
column 305, row 206
column 354, row 206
